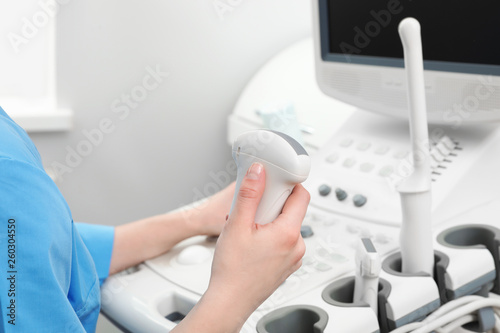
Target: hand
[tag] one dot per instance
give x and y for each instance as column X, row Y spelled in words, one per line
column 251, row 260
column 210, row 216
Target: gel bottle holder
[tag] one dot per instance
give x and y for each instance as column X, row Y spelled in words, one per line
column 294, row 319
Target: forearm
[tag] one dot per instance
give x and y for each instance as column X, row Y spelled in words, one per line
column 144, row 239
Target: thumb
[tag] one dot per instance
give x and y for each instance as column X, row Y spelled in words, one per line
column 249, row 195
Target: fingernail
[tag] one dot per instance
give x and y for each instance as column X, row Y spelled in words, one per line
column 254, row 171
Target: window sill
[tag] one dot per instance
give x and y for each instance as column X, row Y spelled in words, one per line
column 39, row 117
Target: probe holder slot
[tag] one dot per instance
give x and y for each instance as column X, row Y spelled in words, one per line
column 294, row 319
column 405, row 298
column 174, row 307
column 339, row 294
column 467, row 246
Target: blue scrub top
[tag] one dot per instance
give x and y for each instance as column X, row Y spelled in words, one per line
column 50, row 268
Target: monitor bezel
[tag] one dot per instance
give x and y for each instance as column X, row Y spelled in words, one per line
column 443, row 66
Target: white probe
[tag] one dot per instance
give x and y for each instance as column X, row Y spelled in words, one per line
column 417, row 252
column 286, row 164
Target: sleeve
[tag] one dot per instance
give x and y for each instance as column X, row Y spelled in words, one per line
column 36, row 254
column 99, row 241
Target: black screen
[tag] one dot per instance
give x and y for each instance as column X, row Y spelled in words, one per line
column 460, row 31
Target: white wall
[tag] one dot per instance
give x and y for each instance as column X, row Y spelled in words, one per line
column 165, row 148
column 155, row 158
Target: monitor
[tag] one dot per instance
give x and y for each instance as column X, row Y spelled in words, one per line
column 359, row 56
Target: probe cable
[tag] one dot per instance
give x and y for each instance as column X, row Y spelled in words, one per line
column 453, row 315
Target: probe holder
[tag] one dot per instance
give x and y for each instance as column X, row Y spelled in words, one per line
column 472, row 253
column 294, row 319
column 339, row 294
column 407, row 297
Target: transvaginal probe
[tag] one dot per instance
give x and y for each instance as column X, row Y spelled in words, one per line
column 417, row 252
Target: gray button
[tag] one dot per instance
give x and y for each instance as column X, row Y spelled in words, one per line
column 324, row 190
column 340, row 194
column 359, row 200
column 306, row 231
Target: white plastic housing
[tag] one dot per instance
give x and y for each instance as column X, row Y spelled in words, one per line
column 286, row 164
column 415, row 191
column 409, row 295
column 368, row 268
column 415, row 238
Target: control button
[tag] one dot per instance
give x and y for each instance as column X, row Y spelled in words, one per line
column 353, row 229
column 306, row 231
column 308, row 261
column 337, row 258
column 340, row 194
column 442, row 149
column 437, row 156
column 433, row 163
column 359, row 200
column 386, row 171
column 193, row 255
column 330, row 222
column 364, row 146
column 324, row 190
column 401, row 154
column 300, row 272
column 366, row 167
column 448, row 143
column 382, row 150
column 322, row 267
column 322, row 252
column 346, row 142
column 332, row 158
column 349, row 162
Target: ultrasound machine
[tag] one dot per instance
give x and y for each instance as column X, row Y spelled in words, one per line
column 403, row 229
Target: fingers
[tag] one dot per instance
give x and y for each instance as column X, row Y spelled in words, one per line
column 249, row 195
column 295, row 207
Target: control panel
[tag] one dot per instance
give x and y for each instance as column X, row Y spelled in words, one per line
column 358, row 170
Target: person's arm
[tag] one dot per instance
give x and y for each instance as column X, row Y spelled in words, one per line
column 144, row 239
column 251, row 260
